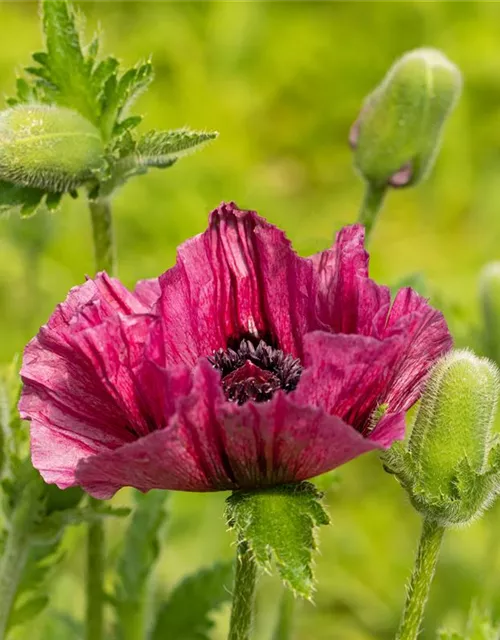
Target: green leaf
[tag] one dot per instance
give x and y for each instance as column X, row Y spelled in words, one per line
column 479, row 627
column 65, row 61
column 119, row 94
column 17, row 198
column 186, row 614
column 43, row 560
column 140, row 551
column 281, row 523
column 28, row 610
column 161, row 148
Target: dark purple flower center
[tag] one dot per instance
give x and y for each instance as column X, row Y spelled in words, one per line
column 252, row 372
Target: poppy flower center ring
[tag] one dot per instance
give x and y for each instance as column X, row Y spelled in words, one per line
column 255, row 373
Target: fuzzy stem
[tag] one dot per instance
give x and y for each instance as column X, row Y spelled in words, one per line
column 104, row 251
column 102, row 231
column 284, row 626
column 17, row 546
column 421, row 579
column 372, row 203
column 244, row 594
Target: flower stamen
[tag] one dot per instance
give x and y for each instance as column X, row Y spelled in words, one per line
column 255, row 372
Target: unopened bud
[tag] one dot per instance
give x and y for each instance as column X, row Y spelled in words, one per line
column 451, row 466
column 397, row 134
column 489, row 291
column 50, row 148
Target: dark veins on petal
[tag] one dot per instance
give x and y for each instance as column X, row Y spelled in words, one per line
column 252, row 372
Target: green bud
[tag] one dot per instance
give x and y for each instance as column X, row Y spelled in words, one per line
column 451, row 466
column 489, row 292
column 397, row 134
column 50, row 148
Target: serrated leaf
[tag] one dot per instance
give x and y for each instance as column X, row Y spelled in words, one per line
column 140, row 551
column 65, row 60
column 280, row 523
column 186, row 614
column 126, row 125
column 161, row 148
column 15, row 197
column 119, row 93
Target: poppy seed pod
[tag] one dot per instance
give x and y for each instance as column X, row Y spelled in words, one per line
column 451, row 465
column 49, row 148
column 396, row 136
column 489, row 291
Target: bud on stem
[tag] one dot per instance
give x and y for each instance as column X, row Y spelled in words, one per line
column 49, row 148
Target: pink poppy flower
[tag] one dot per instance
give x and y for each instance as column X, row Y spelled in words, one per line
column 242, row 366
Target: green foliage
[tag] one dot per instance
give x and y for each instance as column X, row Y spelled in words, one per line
column 280, row 523
column 187, row 613
column 140, row 550
column 489, row 292
column 85, row 137
column 451, row 467
column 162, row 148
column 479, row 627
column 43, row 561
column 400, row 123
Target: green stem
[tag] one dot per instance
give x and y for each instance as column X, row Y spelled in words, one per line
column 17, row 547
column 372, row 203
column 105, row 260
column 421, row 579
column 95, row 577
column 102, row 231
column 284, row 627
column 133, row 619
column 244, row 594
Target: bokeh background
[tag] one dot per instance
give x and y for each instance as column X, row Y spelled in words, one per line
column 282, row 82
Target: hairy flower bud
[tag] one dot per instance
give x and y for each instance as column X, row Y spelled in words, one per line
column 50, row 148
column 397, row 134
column 489, row 291
column 451, row 465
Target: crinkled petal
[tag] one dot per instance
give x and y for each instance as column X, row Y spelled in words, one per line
column 348, row 375
column 212, row 445
column 424, row 337
column 347, row 300
column 241, row 277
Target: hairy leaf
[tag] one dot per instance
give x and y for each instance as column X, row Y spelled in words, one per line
column 14, row 198
column 281, row 523
column 186, row 614
column 162, row 148
column 64, row 61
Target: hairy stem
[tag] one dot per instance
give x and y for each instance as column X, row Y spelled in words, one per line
column 105, row 260
column 372, row 203
column 102, row 232
column 243, row 594
column 284, row 626
column 421, row 579
column 17, row 547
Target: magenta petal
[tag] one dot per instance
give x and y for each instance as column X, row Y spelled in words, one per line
column 348, row 375
column 424, row 337
column 348, row 301
column 212, row 445
column 241, row 277
column 56, row 454
column 389, row 428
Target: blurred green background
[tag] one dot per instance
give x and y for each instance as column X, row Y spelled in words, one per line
column 282, row 82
